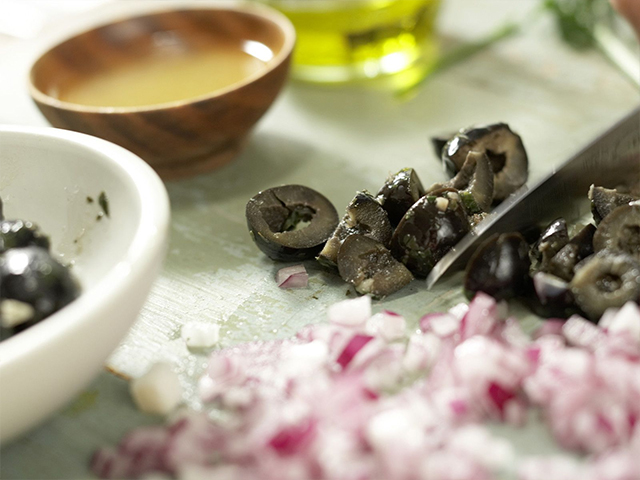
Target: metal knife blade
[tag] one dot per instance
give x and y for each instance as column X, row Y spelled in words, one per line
column 610, row 160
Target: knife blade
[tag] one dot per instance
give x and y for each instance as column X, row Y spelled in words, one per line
column 610, row 160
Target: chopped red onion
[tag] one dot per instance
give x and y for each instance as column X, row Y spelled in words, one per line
column 295, row 276
column 360, row 398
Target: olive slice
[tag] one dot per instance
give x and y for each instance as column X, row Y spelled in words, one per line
column 605, row 200
column 579, row 247
column 499, row 267
column 364, row 215
column 553, row 297
column 503, row 147
column 399, row 192
column 620, row 231
column 431, row 227
column 31, row 276
column 605, row 280
column 290, row 222
column 370, row 267
column 552, row 239
column 18, row 233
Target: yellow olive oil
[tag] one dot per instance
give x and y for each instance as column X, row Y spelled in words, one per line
column 164, row 77
column 345, row 40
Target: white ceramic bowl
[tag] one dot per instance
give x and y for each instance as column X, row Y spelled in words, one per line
column 54, row 179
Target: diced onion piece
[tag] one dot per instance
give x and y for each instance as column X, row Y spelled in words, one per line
column 295, row 276
column 389, row 325
column 14, row 312
column 200, row 334
column 626, row 319
column 351, row 313
column 158, row 391
column 352, row 348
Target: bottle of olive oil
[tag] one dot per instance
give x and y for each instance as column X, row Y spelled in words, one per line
column 350, row 40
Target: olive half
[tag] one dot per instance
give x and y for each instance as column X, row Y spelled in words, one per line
column 620, row 231
column 291, row 222
column 18, row 233
column 31, row 276
column 552, row 239
column 431, row 227
column 563, row 263
column 605, row 280
column 503, row 147
column 605, row 200
column 552, row 297
column 499, row 267
column 370, row 267
column 364, row 215
column 399, row 193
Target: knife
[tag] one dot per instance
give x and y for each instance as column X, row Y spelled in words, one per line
column 610, row 160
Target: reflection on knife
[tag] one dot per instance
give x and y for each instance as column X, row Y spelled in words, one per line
column 610, row 160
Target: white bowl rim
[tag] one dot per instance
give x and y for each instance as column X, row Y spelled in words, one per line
column 258, row 10
column 148, row 240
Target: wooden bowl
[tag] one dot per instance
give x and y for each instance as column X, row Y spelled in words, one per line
column 181, row 136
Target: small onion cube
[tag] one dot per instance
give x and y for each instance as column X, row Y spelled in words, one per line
column 200, row 334
column 295, row 276
column 158, row 391
column 351, row 313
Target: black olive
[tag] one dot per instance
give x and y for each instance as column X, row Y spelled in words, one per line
column 552, row 297
column 364, row 215
column 439, row 142
column 605, row 280
column 399, row 192
column 579, row 247
column 477, row 194
column 431, row 227
column 291, row 222
column 31, row 276
column 552, row 239
column 605, row 200
column 499, row 267
column 620, row 231
column 370, row 267
column 503, row 147
column 18, row 233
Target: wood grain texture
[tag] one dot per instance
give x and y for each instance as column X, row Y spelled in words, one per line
column 177, row 139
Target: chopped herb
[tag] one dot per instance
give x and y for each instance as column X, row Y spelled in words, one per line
column 104, row 203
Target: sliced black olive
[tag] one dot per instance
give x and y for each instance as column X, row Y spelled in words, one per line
column 370, row 267
column 620, row 231
column 579, row 247
column 18, row 233
column 477, row 194
column 32, row 277
column 604, row 280
column 399, row 192
column 431, row 227
column 365, row 216
column 503, row 147
column 438, row 143
column 291, row 222
column 499, row 267
column 552, row 239
column 605, row 200
column 552, row 297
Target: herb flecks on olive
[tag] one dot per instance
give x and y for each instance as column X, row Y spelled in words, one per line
column 620, row 231
column 370, row 267
column 431, row 227
column 364, row 215
column 290, row 222
column 19, row 233
column 399, row 193
column 31, row 276
column 499, row 267
column 605, row 200
column 502, row 146
column 605, row 280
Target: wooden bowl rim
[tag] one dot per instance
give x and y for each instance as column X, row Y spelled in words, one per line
column 260, row 11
